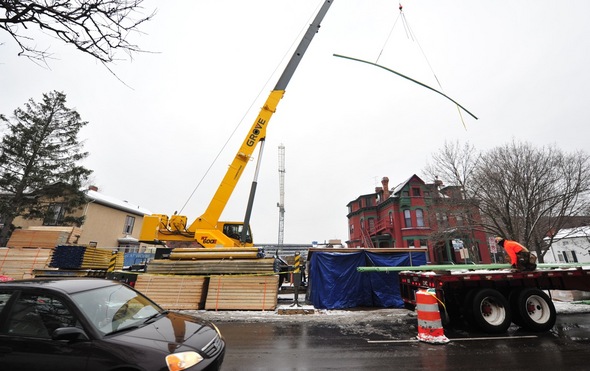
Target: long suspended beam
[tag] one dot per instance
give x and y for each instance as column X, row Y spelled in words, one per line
column 409, row 78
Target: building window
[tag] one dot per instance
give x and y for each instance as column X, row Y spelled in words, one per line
column 408, row 218
column 419, row 218
column 391, row 218
column 423, row 243
column 129, row 222
column 415, row 192
column 411, row 243
column 371, row 225
column 55, row 215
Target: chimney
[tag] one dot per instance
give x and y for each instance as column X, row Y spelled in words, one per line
column 93, row 188
column 437, row 182
column 385, row 184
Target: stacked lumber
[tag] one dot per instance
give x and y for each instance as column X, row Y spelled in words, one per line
column 19, row 263
column 217, row 253
column 34, row 238
column 73, row 232
column 173, row 292
column 242, row 293
column 84, row 257
column 211, row 266
column 43, row 236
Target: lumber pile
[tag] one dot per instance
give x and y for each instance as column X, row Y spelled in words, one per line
column 43, row 236
column 84, row 257
column 19, row 262
column 242, row 292
column 217, row 253
column 173, row 292
column 211, row 266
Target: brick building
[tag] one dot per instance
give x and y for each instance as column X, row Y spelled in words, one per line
column 416, row 214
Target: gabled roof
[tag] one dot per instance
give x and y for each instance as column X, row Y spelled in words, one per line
column 578, row 232
column 115, row 203
column 401, row 186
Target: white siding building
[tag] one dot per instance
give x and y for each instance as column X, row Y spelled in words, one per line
column 570, row 245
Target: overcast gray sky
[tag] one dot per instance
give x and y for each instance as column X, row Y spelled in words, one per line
column 520, row 66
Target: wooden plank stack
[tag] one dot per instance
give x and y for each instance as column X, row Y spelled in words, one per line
column 233, row 284
column 19, row 263
column 242, row 292
column 217, row 253
column 211, row 266
column 31, row 238
column 47, row 237
column 173, row 292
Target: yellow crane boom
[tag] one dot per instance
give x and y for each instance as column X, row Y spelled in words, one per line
column 207, row 230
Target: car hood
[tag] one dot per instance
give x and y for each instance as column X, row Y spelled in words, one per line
column 171, row 333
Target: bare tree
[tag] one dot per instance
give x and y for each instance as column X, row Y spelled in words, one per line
column 522, row 192
column 528, row 193
column 454, row 164
column 95, row 27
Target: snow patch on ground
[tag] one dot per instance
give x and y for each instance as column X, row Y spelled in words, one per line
column 564, row 307
column 341, row 315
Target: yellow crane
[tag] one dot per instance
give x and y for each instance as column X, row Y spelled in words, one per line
column 207, row 230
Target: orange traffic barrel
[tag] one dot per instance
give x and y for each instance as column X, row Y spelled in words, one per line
column 430, row 327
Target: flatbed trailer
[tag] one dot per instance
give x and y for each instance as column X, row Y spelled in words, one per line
column 492, row 299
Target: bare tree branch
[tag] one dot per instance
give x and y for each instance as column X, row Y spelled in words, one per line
column 99, row 28
column 524, row 193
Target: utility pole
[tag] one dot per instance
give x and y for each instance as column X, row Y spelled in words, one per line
column 281, row 203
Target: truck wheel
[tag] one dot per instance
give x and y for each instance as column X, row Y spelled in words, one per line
column 536, row 310
column 490, row 311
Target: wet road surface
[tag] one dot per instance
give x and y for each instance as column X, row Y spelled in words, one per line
column 388, row 345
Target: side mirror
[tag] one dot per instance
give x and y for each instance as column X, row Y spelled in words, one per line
column 69, row 334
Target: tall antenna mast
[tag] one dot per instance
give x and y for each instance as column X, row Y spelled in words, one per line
column 281, row 203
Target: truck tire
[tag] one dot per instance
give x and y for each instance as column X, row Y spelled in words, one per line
column 490, row 311
column 535, row 310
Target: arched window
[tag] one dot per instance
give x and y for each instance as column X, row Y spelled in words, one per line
column 408, row 218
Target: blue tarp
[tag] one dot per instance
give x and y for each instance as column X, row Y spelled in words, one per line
column 336, row 284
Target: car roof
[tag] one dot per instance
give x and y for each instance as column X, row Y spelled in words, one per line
column 66, row 285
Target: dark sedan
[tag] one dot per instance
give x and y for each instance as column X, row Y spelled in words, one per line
column 99, row 325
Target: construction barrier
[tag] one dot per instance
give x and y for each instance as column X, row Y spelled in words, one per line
column 430, row 329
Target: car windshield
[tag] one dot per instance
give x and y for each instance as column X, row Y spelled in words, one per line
column 115, row 308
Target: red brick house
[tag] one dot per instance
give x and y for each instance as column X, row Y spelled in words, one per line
column 416, row 214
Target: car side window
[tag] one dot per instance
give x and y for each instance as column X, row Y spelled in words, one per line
column 38, row 316
column 4, row 296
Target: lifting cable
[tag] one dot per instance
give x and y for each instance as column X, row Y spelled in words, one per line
column 410, row 35
column 414, row 38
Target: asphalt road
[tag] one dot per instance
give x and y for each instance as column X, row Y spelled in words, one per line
column 386, row 340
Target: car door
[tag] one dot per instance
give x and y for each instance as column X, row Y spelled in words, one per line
column 27, row 321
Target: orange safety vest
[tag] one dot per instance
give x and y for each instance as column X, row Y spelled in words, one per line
column 512, row 248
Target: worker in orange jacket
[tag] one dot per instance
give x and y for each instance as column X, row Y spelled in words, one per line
column 520, row 257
